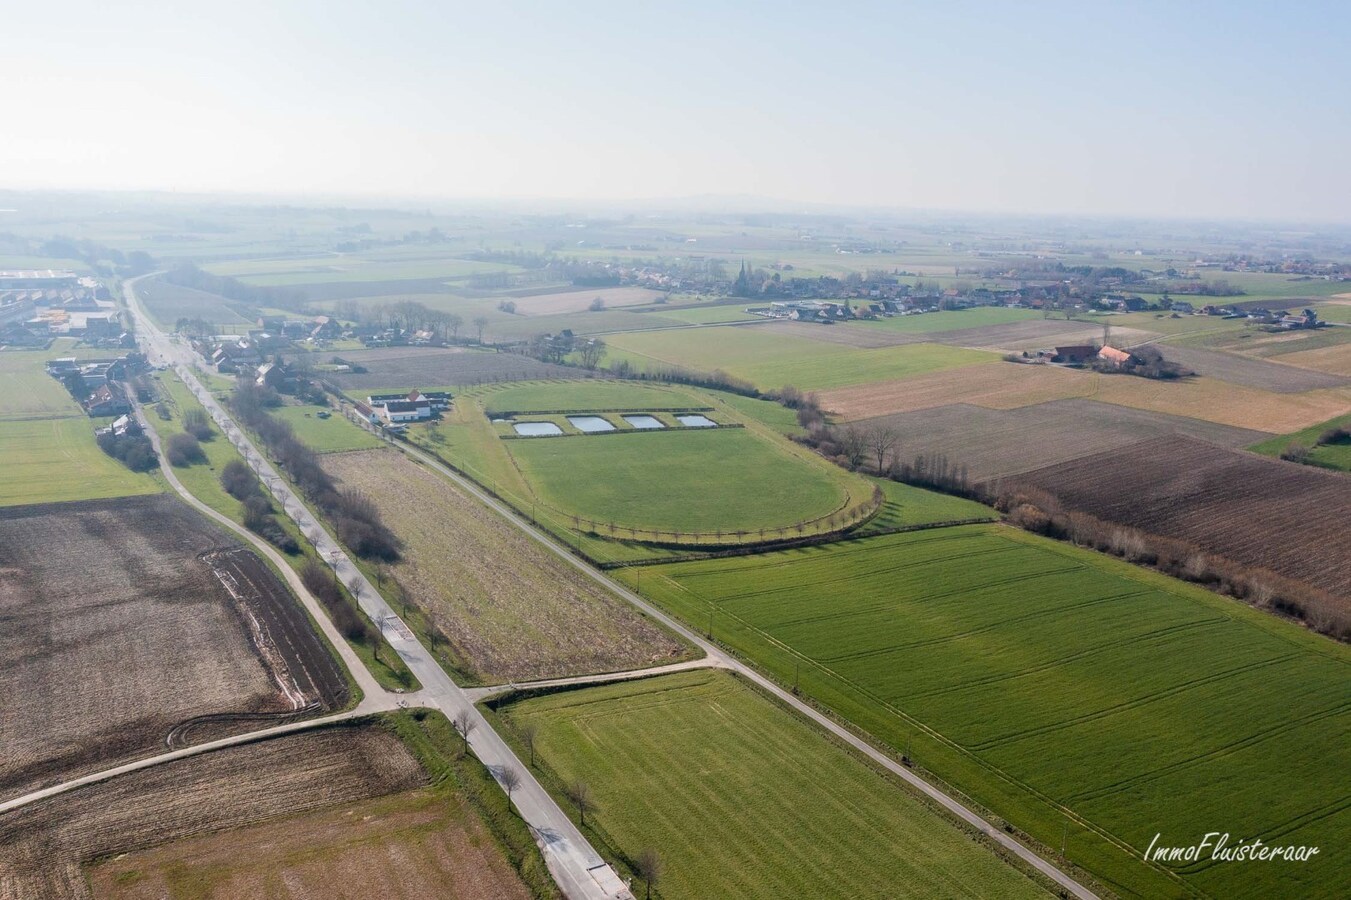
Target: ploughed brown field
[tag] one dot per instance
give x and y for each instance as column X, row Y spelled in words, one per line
column 130, row 625
column 1284, row 517
column 395, row 368
column 509, row 608
column 334, row 840
column 993, row 443
column 1249, row 372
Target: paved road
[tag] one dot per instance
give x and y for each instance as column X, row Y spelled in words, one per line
column 575, row 865
column 720, row 658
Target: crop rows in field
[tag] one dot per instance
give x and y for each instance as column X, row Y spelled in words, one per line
column 508, row 607
column 169, row 302
column 744, row 799
column 993, row 443
column 1285, row 517
column 43, row 846
column 1039, row 678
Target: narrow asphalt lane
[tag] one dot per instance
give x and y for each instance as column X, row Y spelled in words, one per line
column 576, row 866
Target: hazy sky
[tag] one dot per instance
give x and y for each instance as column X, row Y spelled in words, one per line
column 1181, row 109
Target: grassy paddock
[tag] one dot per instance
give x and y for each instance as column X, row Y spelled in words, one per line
column 55, row 460
column 1054, row 686
column 770, row 360
column 742, row 798
column 1332, row 456
column 332, row 435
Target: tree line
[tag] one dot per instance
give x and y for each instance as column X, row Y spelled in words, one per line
column 354, row 516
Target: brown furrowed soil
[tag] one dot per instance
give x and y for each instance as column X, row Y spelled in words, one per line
column 508, row 607
column 580, row 300
column 1287, row 518
column 408, row 845
column 126, row 624
column 1002, row 386
column 398, row 368
column 993, row 443
column 1012, row 385
column 1249, row 372
column 44, row 845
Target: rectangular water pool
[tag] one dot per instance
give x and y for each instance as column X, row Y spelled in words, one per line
column 644, row 421
column 695, row 420
column 590, row 424
column 537, row 429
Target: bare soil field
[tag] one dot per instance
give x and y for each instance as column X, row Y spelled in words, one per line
column 1287, row 518
column 43, row 846
column 865, row 338
column 1224, row 403
column 428, row 367
column 580, row 300
column 509, row 608
column 1001, row 386
column 1249, row 372
column 1335, row 359
column 1033, row 333
column 407, row 845
column 993, row 443
column 1081, row 333
column 132, row 623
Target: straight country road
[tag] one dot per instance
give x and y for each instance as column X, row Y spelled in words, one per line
column 578, row 869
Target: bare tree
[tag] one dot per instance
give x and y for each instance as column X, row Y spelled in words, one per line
column 597, row 303
column 480, row 323
column 464, row 725
column 854, row 445
column 529, row 732
column 592, row 351
column 354, row 585
column 453, row 322
column 580, row 795
column 510, row 780
column 649, row 865
column 881, row 440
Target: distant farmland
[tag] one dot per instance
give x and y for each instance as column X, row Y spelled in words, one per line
column 169, row 302
column 771, row 360
column 993, row 443
column 1039, row 678
column 744, row 799
column 1285, row 517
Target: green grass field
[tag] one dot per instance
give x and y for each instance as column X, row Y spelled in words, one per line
column 55, row 460
column 1332, row 456
column 332, row 435
column 744, row 799
column 951, row 320
column 167, row 303
column 729, row 479
column 772, row 360
column 574, row 396
column 1052, row 684
column 29, row 392
column 907, row 506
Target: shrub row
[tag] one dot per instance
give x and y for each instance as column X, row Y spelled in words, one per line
column 132, row 450
column 240, row 482
column 322, row 583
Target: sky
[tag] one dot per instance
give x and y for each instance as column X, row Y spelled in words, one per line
column 1196, row 110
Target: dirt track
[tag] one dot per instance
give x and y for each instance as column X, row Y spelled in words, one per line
column 113, row 631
